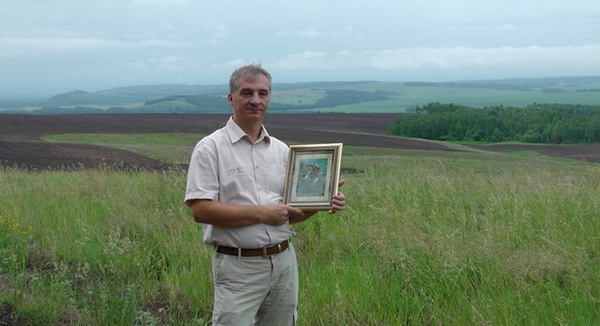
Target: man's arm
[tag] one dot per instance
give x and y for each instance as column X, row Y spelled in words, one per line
column 229, row 216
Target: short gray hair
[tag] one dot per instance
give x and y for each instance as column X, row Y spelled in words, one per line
column 250, row 71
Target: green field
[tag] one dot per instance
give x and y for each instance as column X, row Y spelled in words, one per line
column 173, row 148
column 428, row 238
column 402, row 97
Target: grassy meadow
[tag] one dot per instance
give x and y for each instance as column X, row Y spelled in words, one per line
column 428, row 238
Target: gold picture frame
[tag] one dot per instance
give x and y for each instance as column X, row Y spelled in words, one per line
column 312, row 177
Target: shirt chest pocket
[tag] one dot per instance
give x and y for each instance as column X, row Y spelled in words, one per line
column 233, row 176
column 266, row 177
column 270, row 177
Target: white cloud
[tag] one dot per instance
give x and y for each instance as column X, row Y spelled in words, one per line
column 347, row 31
column 415, row 59
column 506, row 27
column 166, row 63
column 167, row 26
column 216, row 34
column 304, row 33
column 234, row 63
column 307, row 59
column 35, row 46
column 136, row 65
column 120, row 42
column 20, row 46
column 171, row 63
column 152, row 3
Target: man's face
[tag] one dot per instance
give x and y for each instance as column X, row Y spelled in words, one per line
column 250, row 100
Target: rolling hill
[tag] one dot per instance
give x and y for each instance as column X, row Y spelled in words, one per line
column 347, row 97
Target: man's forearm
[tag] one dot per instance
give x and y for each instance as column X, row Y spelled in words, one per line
column 229, row 215
column 225, row 215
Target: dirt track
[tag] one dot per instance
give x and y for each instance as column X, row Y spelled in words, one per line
column 21, row 146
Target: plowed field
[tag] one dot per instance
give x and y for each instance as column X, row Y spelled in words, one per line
column 20, row 143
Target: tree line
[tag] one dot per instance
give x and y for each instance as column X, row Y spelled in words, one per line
column 536, row 123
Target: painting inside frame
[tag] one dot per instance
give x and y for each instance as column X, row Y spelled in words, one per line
column 312, row 176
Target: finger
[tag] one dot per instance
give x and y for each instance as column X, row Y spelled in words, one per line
column 336, row 207
column 294, row 211
column 339, row 196
column 341, row 182
column 335, row 210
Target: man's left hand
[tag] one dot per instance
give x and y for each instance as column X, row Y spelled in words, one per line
column 338, row 200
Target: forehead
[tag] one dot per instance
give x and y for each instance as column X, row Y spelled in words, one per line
column 259, row 82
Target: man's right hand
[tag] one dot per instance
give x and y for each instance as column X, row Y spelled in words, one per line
column 278, row 214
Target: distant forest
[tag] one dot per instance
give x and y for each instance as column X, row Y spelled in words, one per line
column 536, row 123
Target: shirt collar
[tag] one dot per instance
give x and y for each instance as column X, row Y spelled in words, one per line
column 236, row 133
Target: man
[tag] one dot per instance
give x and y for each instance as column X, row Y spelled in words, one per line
column 234, row 188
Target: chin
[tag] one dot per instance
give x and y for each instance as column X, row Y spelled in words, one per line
column 255, row 113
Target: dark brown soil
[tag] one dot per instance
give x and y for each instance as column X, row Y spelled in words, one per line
column 9, row 318
column 20, row 143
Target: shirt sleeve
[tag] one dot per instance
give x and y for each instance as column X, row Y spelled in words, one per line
column 203, row 174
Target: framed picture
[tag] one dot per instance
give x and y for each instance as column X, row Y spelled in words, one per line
column 313, row 173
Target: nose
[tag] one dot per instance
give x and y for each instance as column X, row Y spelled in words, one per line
column 255, row 99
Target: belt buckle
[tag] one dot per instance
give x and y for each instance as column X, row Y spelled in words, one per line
column 266, row 250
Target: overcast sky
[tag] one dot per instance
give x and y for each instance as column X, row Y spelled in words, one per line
column 54, row 46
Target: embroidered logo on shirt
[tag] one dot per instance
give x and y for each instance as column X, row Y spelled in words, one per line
column 236, row 171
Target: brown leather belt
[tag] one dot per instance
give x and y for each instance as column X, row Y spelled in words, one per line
column 265, row 251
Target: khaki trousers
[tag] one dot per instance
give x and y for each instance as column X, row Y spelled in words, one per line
column 255, row 290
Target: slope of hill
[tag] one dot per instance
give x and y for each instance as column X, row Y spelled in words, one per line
column 133, row 94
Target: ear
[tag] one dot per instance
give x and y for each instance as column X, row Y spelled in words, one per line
column 230, row 99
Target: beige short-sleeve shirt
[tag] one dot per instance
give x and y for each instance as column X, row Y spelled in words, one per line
column 227, row 167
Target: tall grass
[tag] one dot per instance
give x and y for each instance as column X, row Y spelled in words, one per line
column 108, row 248
column 458, row 243
column 427, row 239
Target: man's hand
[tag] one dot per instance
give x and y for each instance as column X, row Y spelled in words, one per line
column 338, row 200
column 279, row 214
